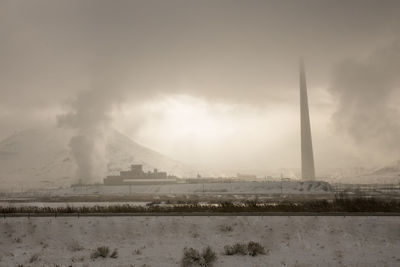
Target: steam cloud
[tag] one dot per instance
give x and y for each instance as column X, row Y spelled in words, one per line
column 368, row 99
column 89, row 114
column 89, row 118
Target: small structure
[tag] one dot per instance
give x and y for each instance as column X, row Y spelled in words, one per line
column 136, row 175
column 242, row 176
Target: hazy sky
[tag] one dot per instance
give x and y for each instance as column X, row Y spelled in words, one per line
column 208, row 82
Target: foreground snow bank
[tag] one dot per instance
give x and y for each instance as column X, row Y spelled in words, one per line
column 159, row 241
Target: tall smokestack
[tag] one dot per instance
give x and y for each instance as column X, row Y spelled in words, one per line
column 307, row 156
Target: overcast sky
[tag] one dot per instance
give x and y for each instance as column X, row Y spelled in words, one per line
column 209, row 82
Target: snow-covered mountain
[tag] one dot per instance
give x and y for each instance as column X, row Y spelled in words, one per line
column 41, row 158
column 392, row 168
column 387, row 174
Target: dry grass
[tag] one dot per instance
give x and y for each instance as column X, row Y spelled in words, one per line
column 336, row 205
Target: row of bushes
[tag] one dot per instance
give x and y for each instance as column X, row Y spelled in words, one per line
column 191, row 256
column 336, row 205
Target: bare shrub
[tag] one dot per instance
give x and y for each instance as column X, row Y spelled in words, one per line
column 209, row 256
column 100, row 252
column 114, row 254
column 255, row 248
column 225, row 228
column 228, row 250
column 104, row 252
column 251, row 248
column 236, row 249
column 34, row 258
column 192, row 257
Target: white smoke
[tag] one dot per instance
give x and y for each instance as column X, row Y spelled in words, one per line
column 89, row 118
column 368, row 94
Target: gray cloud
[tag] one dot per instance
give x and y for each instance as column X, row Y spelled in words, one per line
column 94, row 55
column 226, row 49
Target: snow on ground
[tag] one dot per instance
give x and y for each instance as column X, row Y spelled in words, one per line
column 262, row 187
column 159, row 241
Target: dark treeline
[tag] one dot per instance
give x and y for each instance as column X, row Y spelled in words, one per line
column 336, row 205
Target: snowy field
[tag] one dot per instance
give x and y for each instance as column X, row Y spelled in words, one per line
column 249, row 188
column 159, row 241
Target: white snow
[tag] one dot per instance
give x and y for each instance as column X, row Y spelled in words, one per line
column 159, row 241
column 212, row 189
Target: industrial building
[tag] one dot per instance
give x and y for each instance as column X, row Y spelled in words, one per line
column 136, row 175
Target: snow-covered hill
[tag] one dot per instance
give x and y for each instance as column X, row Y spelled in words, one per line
column 392, row 168
column 41, row 158
column 387, row 174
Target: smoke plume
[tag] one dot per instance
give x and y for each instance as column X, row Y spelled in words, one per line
column 89, row 119
column 368, row 94
column 89, row 113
